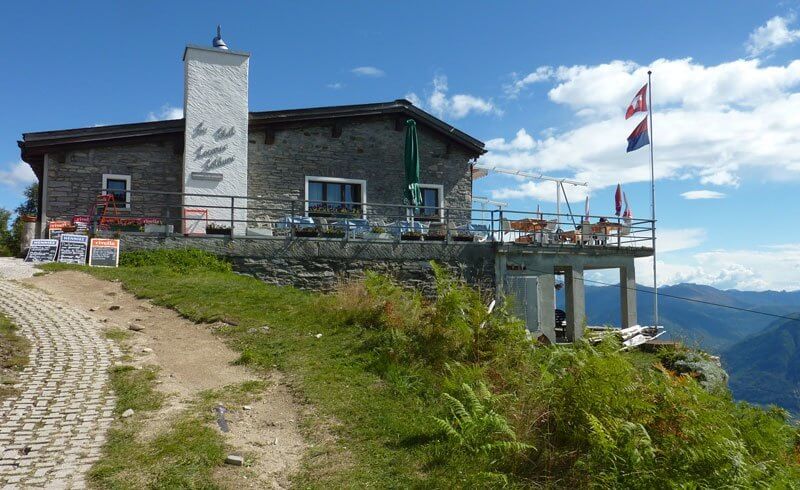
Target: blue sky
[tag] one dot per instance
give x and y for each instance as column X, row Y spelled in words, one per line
column 551, row 79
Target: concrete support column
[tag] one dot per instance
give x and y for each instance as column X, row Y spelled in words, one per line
column 575, row 302
column 546, row 300
column 627, row 291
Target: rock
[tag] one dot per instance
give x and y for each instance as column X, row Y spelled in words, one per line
column 127, row 413
column 235, row 460
column 707, row 370
column 319, row 336
column 247, row 407
column 93, row 308
column 147, row 350
column 113, row 307
column 135, row 327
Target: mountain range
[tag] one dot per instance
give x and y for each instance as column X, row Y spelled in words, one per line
column 761, row 353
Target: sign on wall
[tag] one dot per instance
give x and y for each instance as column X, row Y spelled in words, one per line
column 73, row 248
column 104, row 252
column 42, row 250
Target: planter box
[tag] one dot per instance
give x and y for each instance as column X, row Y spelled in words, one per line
column 463, row 238
column 378, row 236
column 218, row 231
column 305, row 232
column 259, row 232
column 434, row 238
column 410, row 237
column 156, row 228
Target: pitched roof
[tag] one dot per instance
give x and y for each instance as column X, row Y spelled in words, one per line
column 34, row 145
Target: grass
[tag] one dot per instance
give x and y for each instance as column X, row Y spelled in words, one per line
column 184, row 455
column 13, row 356
column 443, row 395
column 380, row 437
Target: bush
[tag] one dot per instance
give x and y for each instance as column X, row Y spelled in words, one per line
column 179, row 260
column 594, row 417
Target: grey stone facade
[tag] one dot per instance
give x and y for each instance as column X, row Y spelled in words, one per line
column 74, row 178
column 320, row 265
column 369, row 149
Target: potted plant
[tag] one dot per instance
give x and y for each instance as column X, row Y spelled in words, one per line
column 333, row 233
column 215, row 229
column 306, row 232
column 127, row 225
column 412, row 236
column 377, row 233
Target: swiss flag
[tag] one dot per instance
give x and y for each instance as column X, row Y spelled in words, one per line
column 638, row 104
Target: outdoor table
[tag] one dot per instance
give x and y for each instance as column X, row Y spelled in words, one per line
column 529, row 225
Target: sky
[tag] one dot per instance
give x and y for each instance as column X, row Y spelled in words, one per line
column 544, row 84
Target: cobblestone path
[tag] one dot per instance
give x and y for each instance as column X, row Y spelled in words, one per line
column 53, row 430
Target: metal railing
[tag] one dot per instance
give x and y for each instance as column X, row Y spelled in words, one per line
column 170, row 213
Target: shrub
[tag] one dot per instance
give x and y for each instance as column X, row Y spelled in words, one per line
column 179, row 260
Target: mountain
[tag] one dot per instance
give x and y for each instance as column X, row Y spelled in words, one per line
column 696, row 322
column 765, row 368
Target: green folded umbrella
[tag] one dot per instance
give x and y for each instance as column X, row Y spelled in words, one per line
column 413, row 194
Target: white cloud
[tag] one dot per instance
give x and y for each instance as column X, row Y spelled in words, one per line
column 539, row 75
column 335, row 86
column 368, row 71
column 773, row 267
column 703, row 194
column 671, row 240
column 711, row 123
column 16, row 175
column 166, row 112
column 772, row 35
column 456, row 106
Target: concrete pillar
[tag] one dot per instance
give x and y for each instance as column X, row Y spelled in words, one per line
column 547, row 306
column 627, row 292
column 575, row 301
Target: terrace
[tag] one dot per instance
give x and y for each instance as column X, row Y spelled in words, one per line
column 257, row 217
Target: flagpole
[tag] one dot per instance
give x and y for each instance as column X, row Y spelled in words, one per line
column 652, row 196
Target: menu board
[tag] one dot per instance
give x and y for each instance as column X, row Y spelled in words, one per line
column 73, row 249
column 56, row 228
column 104, row 252
column 81, row 223
column 42, row 250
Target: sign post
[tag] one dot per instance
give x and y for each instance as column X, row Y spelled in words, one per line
column 104, row 252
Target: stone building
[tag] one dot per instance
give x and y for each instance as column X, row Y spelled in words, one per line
column 250, row 169
column 300, row 161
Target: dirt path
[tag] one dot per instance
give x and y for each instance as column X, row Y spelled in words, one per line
column 191, row 359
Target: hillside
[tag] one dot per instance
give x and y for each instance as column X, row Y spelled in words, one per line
column 765, row 368
column 711, row 327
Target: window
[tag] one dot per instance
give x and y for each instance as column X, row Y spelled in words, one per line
column 118, row 185
column 335, row 197
column 431, row 208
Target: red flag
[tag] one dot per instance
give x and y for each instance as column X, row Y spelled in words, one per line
column 618, row 200
column 638, row 104
column 628, row 214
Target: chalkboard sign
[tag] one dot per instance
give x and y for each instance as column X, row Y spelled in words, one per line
column 56, row 228
column 104, row 252
column 42, row 250
column 73, row 249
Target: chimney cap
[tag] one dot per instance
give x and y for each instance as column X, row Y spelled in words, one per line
column 218, row 42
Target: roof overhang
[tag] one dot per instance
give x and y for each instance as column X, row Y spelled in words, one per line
column 34, row 146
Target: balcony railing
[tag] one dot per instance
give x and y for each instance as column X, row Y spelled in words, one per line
column 176, row 213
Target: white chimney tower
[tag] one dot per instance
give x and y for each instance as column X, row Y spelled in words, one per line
column 216, row 110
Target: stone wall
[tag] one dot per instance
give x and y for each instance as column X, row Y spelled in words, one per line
column 319, row 264
column 74, row 183
column 368, row 149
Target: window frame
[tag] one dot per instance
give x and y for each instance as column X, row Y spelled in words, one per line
column 440, row 205
column 127, row 179
column 336, row 180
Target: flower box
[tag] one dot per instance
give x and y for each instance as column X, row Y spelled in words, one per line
column 306, row 232
column 412, row 236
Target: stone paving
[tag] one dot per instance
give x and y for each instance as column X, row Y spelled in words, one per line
column 52, row 432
